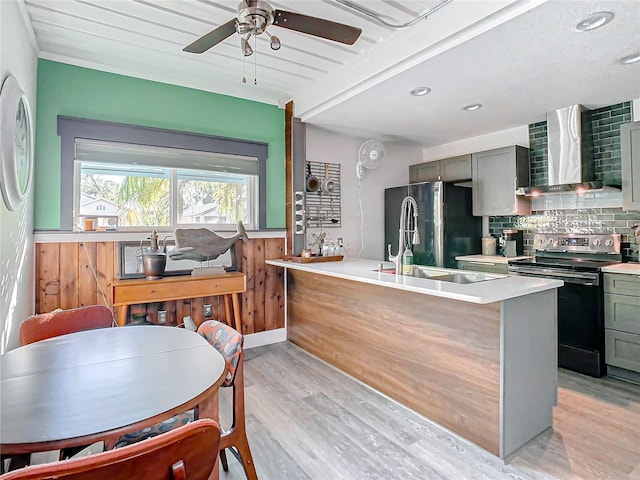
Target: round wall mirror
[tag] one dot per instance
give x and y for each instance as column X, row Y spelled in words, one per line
column 16, row 164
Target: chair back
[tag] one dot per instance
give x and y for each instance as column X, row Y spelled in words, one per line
column 48, row 325
column 227, row 341
column 188, row 452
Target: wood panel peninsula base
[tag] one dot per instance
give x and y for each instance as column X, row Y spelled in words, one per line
column 486, row 370
column 140, row 290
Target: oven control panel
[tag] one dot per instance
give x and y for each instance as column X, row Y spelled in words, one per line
column 577, row 242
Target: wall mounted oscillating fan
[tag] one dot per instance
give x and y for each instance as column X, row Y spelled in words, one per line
column 370, row 156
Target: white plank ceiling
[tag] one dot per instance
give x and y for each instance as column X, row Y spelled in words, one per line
column 511, row 55
column 145, row 38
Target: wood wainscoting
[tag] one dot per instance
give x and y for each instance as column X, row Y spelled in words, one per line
column 438, row 356
column 66, row 274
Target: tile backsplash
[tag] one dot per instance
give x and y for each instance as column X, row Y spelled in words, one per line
column 597, row 212
column 582, row 220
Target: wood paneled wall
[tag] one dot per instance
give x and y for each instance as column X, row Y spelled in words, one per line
column 74, row 274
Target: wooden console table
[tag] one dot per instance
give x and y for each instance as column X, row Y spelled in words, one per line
column 140, row 290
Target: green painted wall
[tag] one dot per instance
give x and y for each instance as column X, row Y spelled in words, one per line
column 80, row 92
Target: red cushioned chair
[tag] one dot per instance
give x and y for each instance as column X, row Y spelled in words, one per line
column 182, row 454
column 61, row 322
column 229, row 343
column 48, row 325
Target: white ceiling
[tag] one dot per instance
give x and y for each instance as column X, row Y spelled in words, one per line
column 518, row 58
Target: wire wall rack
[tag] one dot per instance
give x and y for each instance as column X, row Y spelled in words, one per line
column 322, row 196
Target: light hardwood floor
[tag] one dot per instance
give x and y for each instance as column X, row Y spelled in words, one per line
column 307, row 420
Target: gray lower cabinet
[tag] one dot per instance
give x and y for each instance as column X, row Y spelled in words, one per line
column 622, row 350
column 495, row 175
column 622, row 320
column 488, row 267
column 630, row 149
column 448, row 169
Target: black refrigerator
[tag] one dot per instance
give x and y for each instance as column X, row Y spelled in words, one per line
column 445, row 223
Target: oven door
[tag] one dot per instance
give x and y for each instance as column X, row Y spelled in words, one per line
column 580, row 318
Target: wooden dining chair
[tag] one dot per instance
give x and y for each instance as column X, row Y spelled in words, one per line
column 48, row 325
column 182, row 454
column 229, row 343
column 61, row 322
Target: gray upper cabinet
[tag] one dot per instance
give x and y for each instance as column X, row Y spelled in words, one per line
column 449, row 169
column 496, row 174
column 630, row 146
column 424, row 172
column 456, row 168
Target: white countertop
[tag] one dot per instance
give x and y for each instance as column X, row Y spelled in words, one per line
column 489, row 258
column 630, row 268
column 501, row 287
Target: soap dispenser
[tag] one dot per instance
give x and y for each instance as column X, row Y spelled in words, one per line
column 407, row 261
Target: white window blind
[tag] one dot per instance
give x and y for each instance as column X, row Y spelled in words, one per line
column 87, row 150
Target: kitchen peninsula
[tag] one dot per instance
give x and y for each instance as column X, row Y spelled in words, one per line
column 477, row 358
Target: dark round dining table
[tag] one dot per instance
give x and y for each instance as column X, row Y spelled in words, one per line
column 84, row 387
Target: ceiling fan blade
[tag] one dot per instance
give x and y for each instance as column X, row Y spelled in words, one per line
column 317, row 27
column 212, row 38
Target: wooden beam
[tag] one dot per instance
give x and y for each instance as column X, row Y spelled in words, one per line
column 289, row 175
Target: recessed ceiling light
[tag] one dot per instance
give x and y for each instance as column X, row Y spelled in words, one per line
column 420, row 91
column 593, row 21
column 633, row 58
column 472, row 107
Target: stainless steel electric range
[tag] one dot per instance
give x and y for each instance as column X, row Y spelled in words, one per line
column 576, row 259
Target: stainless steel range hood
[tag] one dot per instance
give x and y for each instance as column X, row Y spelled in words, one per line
column 570, row 154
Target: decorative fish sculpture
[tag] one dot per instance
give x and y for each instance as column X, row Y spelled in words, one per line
column 201, row 244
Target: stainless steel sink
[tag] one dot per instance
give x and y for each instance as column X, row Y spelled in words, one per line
column 448, row 276
column 453, row 277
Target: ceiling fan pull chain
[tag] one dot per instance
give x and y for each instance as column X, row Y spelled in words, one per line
column 244, row 69
column 255, row 61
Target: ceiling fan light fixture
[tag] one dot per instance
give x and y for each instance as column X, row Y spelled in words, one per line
column 246, row 48
column 274, row 41
column 255, row 16
column 593, row 21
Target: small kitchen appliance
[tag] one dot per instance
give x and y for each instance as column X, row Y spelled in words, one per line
column 576, row 259
column 512, row 243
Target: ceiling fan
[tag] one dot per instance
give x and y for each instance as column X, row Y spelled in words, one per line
column 254, row 16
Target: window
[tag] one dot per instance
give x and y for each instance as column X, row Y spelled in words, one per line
column 141, row 186
column 148, row 177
